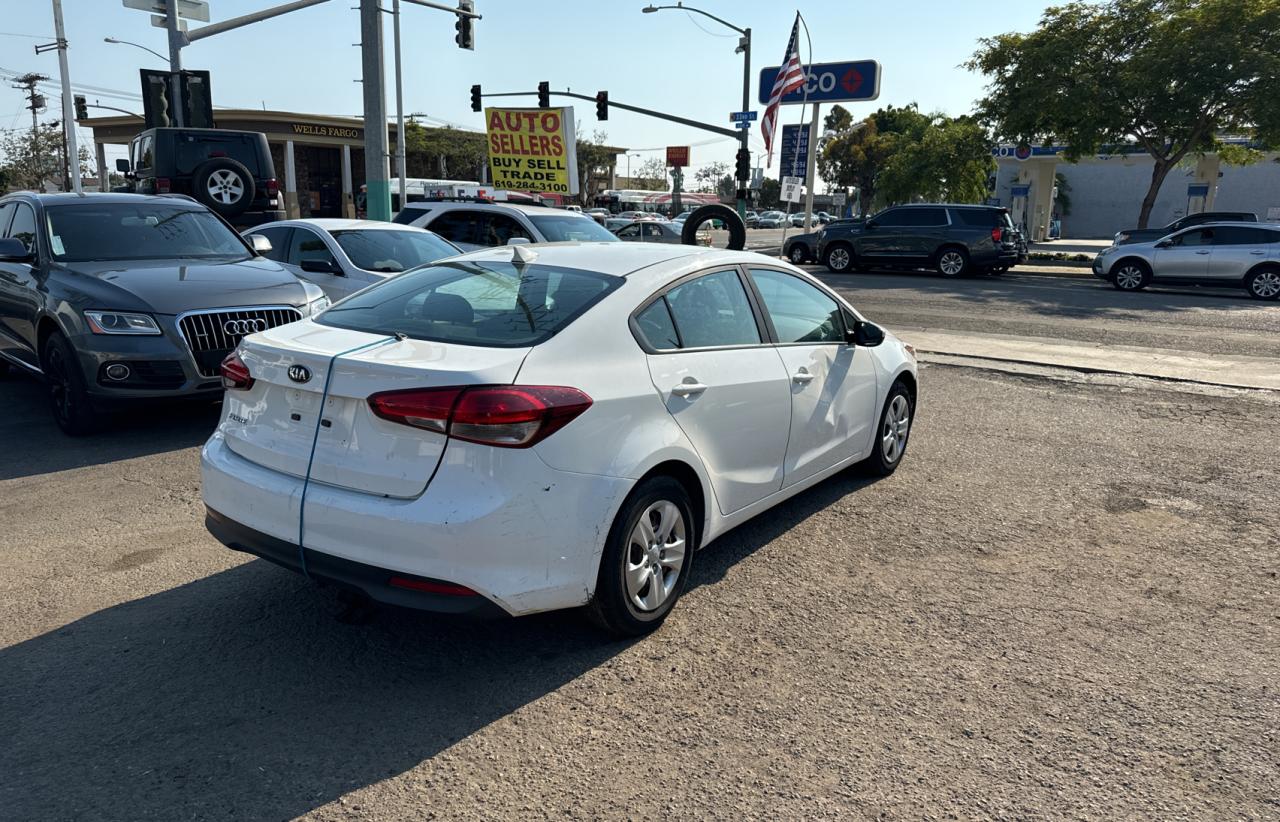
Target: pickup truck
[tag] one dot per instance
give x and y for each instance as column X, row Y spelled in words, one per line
column 1146, row 235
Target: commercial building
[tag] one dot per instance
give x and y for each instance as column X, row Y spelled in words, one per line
column 1107, row 189
column 319, row 158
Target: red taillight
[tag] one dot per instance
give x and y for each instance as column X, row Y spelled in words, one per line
column 996, row 234
column 235, row 374
column 273, row 187
column 427, row 586
column 162, row 185
column 511, row 416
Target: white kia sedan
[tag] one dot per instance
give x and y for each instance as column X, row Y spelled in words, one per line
column 528, row 428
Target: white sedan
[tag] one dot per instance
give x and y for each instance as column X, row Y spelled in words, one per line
column 344, row 256
column 522, row 429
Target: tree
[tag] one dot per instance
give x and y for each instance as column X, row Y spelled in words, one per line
column 1166, row 75
column 709, row 176
column 770, row 193
column 595, row 160
column 727, row 187
column 27, row 163
column 464, row 153
column 651, row 176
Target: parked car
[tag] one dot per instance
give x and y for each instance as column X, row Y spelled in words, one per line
column 476, row 224
column 230, row 172
column 752, row 220
column 598, row 214
column 1143, row 235
column 651, row 231
column 344, row 256
column 797, row 220
column 951, row 239
column 530, row 428
column 802, row 248
column 612, row 224
column 116, row 298
column 771, row 219
column 1246, row 254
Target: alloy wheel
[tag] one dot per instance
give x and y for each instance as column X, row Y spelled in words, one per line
column 1129, row 277
column 60, row 392
column 797, row 255
column 838, row 259
column 896, row 427
column 951, row 263
column 655, row 555
column 1266, row 285
column 225, row 186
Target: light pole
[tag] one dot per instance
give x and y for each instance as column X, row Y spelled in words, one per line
column 744, row 46
column 629, row 156
column 135, row 45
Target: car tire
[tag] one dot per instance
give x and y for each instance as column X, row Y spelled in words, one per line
column 68, row 396
column 1264, row 283
column 839, row 258
column 626, row 602
column 1130, row 275
column 951, row 262
column 797, row 255
column 726, row 215
column 224, row 185
column 892, row 433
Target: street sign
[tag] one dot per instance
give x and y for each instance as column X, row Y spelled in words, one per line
column 794, row 153
column 837, row 199
column 792, row 189
column 678, row 156
column 162, row 22
column 1198, row 190
column 744, row 125
column 828, row 83
column 1019, row 191
column 741, row 116
column 190, row 9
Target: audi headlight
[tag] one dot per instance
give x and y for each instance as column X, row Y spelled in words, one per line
column 120, row 322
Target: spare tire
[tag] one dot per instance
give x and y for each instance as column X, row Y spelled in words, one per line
column 224, row 185
column 737, row 230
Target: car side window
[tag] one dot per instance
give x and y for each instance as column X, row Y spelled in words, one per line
column 629, row 231
column 458, row 227
column 892, row 217
column 6, row 212
column 1193, row 238
column 498, row 228
column 23, row 227
column 307, row 245
column 924, row 217
column 800, row 312
column 657, row 327
column 652, row 231
column 146, row 156
column 1232, row 235
column 713, row 310
column 279, row 238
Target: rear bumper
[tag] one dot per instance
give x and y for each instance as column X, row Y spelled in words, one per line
column 325, row 568
column 501, row 522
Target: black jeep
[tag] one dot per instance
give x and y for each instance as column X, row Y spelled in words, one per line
column 229, row 171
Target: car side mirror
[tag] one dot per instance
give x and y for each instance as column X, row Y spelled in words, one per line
column 122, row 165
column 871, row 224
column 866, row 334
column 1164, row 244
column 13, row 251
column 261, row 245
column 320, row 267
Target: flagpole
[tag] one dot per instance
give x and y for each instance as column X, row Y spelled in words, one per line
column 786, row 224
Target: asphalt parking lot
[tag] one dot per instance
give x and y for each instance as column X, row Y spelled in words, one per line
column 1063, row 605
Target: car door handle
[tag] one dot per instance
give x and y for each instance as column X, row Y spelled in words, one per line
column 802, row 376
column 1202, row 252
column 1258, row 252
column 685, row 389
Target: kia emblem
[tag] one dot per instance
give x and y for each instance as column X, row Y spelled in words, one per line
column 299, row 373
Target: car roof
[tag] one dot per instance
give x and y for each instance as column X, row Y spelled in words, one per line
column 1231, row 224
column 337, row 224
column 65, row 197
column 619, row 259
column 521, row 207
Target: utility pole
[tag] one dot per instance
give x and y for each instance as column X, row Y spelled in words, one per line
column 175, row 61
column 71, row 151
column 35, row 102
column 400, row 141
column 811, row 163
column 745, row 45
column 377, row 172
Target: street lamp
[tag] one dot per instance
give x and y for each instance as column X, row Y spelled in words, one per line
column 744, row 46
column 135, row 45
column 629, row 156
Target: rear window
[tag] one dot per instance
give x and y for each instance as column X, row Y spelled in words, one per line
column 559, row 228
column 408, row 214
column 980, row 217
column 474, row 303
column 192, row 150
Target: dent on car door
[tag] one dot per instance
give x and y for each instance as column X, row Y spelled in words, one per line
column 19, row 295
column 724, row 386
column 833, row 384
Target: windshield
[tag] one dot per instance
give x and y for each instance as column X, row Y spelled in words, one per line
column 139, row 231
column 491, row 304
column 389, row 251
column 559, row 228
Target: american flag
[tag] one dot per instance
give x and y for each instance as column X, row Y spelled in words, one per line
column 790, row 77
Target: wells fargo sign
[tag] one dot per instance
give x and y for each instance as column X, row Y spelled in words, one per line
column 532, row 149
column 345, row 132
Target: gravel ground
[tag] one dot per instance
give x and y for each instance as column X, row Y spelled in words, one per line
column 1063, row 606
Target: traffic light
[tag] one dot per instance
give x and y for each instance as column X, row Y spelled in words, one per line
column 602, row 105
column 544, row 94
column 82, row 107
column 475, row 97
column 744, row 164
column 465, row 24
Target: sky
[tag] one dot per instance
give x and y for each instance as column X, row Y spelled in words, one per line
column 671, row 60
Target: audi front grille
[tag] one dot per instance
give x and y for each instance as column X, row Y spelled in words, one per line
column 211, row 335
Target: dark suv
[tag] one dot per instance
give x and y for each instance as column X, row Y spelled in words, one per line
column 229, row 171
column 1146, row 235
column 116, row 298
column 951, row 239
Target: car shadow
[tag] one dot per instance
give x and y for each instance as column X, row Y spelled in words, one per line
column 30, row 442
column 241, row 696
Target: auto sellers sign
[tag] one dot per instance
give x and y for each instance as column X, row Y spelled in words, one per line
column 532, row 149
